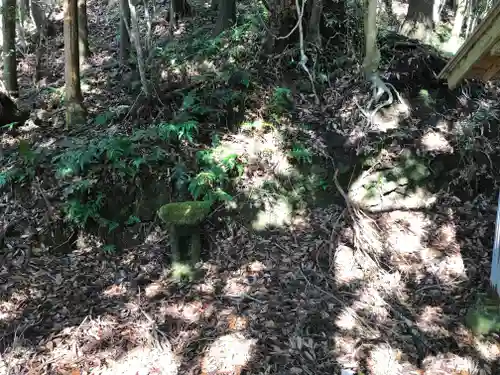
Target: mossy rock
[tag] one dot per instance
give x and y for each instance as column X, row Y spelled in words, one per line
column 182, row 271
column 484, row 317
column 184, row 213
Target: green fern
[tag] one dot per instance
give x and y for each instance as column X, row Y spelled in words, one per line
column 80, row 213
column 182, row 131
column 301, row 154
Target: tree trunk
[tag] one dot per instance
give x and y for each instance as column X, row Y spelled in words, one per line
column 313, row 29
column 372, row 53
column 214, row 5
column 124, row 36
column 226, row 17
column 182, row 8
column 39, row 19
column 9, row 47
column 75, row 112
column 436, row 11
column 459, row 20
column 281, row 30
column 418, row 22
column 83, row 31
column 136, row 39
column 22, row 12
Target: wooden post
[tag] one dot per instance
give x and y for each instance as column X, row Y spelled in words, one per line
column 495, row 261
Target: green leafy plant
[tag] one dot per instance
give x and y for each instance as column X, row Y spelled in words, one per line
column 109, row 249
column 183, row 131
column 281, row 100
column 301, row 153
column 132, row 219
column 79, row 213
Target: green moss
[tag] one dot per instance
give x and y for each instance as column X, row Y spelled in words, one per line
column 184, row 213
column 182, row 271
column 484, row 317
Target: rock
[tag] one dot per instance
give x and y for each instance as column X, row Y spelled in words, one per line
column 184, row 213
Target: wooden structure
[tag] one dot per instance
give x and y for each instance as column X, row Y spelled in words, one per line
column 479, row 56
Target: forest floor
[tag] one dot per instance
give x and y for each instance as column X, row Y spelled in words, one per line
column 338, row 246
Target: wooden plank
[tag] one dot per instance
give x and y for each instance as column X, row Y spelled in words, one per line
column 492, row 71
column 485, row 62
column 495, row 51
column 480, row 43
column 482, row 47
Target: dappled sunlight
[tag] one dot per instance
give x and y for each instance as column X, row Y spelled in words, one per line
column 240, row 282
column 488, row 348
column 9, row 310
column 345, row 350
column 436, row 142
column 393, row 189
column 450, row 269
column 190, row 312
column 115, row 290
column 449, row 363
column 143, row 361
column 406, row 231
column 371, row 302
column 384, row 121
column 347, row 320
column 346, row 268
column 274, row 214
column 228, row 354
column 432, row 321
column 383, row 359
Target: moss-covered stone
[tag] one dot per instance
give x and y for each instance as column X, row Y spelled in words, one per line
column 184, row 213
column 484, row 317
column 183, row 220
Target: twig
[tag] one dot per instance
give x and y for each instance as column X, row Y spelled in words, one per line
column 50, row 208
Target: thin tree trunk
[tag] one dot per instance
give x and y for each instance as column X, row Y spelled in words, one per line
column 182, row 8
column 437, row 8
column 313, row 29
column 136, row 39
column 171, row 21
column 214, row 5
column 39, row 19
column 124, row 35
column 372, row 53
column 22, row 11
column 459, row 20
column 9, row 47
column 83, row 31
column 418, row 22
column 75, row 112
column 226, row 17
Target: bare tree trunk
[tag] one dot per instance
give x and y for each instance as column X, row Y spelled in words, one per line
column 83, row 31
column 313, row 29
column 372, row 53
column 214, row 5
column 136, row 39
column 459, row 20
column 9, row 47
column 171, row 21
column 436, row 11
column 38, row 16
column 22, row 12
column 182, row 8
column 226, row 17
column 124, row 35
column 75, row 112
column 418, row 22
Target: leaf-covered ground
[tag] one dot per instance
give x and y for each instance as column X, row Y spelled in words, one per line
column 337, row 244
